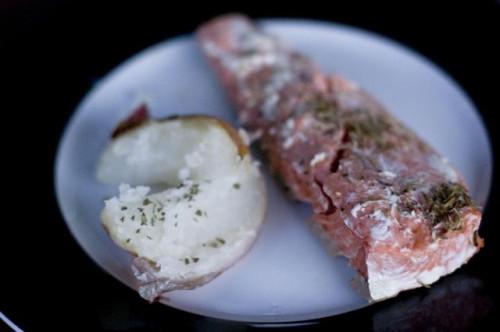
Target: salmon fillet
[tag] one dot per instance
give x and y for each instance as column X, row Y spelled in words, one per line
column 381, row 196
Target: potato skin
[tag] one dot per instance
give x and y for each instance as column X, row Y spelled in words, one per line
column 141, row 115
column 135, row 119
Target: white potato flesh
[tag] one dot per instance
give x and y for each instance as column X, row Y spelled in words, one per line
column 207, row 214
column 164, row 152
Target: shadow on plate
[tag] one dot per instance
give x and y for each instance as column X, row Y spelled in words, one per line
column 457, row 303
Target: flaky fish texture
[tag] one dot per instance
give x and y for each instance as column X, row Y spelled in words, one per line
column 381, row 196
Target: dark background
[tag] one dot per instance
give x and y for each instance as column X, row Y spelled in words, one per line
column 53, row 51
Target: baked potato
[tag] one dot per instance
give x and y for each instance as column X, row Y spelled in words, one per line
column 191, row 199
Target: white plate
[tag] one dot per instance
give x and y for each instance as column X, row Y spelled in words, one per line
column 287, row 276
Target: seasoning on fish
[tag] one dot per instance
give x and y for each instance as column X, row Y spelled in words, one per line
column 382, row 197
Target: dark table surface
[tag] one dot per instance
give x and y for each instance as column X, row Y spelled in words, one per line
column 52, row 52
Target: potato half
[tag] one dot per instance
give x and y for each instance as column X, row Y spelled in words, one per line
column 209, row 204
